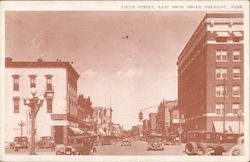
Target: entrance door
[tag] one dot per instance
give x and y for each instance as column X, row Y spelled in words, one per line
column 58, row 134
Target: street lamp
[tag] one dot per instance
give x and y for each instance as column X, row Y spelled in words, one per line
column 21, row 124
column 34, row 103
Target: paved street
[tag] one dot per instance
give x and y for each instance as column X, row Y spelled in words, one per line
column 137, row 148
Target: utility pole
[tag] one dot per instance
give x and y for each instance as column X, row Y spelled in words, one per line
column 224, row 105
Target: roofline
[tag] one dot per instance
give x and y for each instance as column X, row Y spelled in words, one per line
column 40, row 64
column 200, row 25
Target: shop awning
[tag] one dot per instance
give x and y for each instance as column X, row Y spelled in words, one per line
column 230, row 126
column 222, row 34
column 76, row 130
column 237, row 34
column 101, row 132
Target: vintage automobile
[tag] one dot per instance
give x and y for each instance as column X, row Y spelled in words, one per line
column 209, row 143
column 106, row 140
column 155, row 142
column 46, row 142
column 237, row 150
column 78, row 145
column 126, row 142
column 20, row 142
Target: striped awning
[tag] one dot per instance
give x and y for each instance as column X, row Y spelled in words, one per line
column 230, row 126
column 76, row 130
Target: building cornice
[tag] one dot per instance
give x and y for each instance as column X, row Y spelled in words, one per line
column 41, row 64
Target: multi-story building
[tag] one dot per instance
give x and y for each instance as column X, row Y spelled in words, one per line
column 176, row 121
column 117, row 130
column 164, row 116
column 85, row 113
column 152, row 122
column 57, row 82
column 209, row 68
column 103, row 118
column 135, row 130
column 145, row 126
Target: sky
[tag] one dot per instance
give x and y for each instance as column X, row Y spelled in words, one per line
column 126, row 60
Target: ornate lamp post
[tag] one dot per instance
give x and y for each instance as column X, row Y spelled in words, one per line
column 34, row 103
column 21, row 124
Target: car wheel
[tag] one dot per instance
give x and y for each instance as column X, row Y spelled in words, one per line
column 191, row 148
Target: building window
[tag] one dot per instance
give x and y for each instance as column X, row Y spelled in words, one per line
column 221, row 55
column 237, row 36
column 219, row 108
column 49, row 105
column 236, row 55
column 235, row 108
column 49, row 82
column 32, row 81
column 16, row 101
column 236, row 91
column 236, row 73
column 222, row 36
column 219, row 91
column 15, row 82
column 221, row 73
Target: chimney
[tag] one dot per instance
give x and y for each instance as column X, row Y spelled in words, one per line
column 39, row 60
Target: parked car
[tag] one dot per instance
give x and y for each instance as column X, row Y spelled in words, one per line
column 155, row 142
column 20, row 142
column 126, row 142
column 237, row 150
column 78, row 145
column 46, row 142
column 209, row 143
column 107, row 140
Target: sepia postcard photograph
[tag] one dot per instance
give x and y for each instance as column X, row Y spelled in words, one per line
column 124, row 80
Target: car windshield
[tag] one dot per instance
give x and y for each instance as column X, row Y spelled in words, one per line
column 155, row 137
column 21, row 138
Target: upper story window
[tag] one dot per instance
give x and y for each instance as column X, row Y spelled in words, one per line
column 237, row 36
column 16, row 101
column 15, row 82
column 221, row 73
column 236, row 73
column 219, row 91
column 222, row 36
column 32, row 81
column 221, row 55
column 219, row 108
column 235, row 108
column 236, row 91
column 236, row 55
column 49, row 105
column 49, row 82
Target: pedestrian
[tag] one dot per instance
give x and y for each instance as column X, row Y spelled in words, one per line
column 94, row 150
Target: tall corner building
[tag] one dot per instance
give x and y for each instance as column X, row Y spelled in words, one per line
column 211, row 62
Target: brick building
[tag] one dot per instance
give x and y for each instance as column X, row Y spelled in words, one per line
column 152, row 122
column 212, row 61
column 163, row 119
